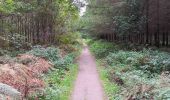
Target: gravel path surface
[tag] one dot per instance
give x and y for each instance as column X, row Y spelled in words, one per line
column 87, row 85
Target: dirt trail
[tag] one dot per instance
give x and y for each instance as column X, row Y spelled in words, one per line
column 87, row 85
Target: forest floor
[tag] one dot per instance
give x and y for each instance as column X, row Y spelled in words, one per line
column 88, row 85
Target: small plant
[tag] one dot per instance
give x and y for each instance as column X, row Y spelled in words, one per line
column 59, row 80
column 54, row 56
column 51, row 93
column 137, row 73
column 70, row 38
column 49, row 53
column 101, row 48
column 125, row 57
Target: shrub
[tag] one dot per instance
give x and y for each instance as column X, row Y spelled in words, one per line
column 139, row 71
column 162, row 94
column 12, row 53
column 3, row 52
column 54, row 56
column 101, row 48
column 16, row 41
column 157, row 61
column 148, row 61
column 49, row 53
column 70, row 38
column 50, row 93
column 125, row 57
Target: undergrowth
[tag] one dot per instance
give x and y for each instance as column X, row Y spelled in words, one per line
column 59, row 84
column 101, row 48
column 109, row 87
column 54, row 56
column 130, row 74
column 59, row 80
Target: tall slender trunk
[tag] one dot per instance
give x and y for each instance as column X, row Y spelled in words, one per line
column 158, row 25
column 147, row 21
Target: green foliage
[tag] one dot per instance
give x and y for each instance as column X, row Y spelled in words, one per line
column 128, row 24
column 157, row 62
column 3, row 52
column 122, row 17
column 22, row 7
column 63, row 15
column 141, row 74
column 49, row 53
column 54, row 56
column 148, row 61
column 122, row 24
column 60, row 84
column 59, row 80
column 11, row 53
column 110, row 88
column 16, row 41
column 124, row 57
column 7, row 6
column 70, row 38
column 163, row 94
column 136, row 77
column 12, row 6
column 101, row 48
column 130, row 20
column 52, row 93
column 70, row 42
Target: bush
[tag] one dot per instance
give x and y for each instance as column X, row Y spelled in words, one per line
column 70, row 42
column 50, row 93
column 50, row 53
column 138, row 73
column 16, row 41
column 141, row 85
column 148, row 61
column 70, row 38
column 125, row 57
column 54, row 79
column 54, row 56
column 101, row 48
column 156, row 62
column 59, row 84
column 12, row 53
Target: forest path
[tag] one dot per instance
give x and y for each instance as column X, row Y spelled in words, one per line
column 88, row 85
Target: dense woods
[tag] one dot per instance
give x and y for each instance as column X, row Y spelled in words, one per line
column 38, row 45
column 134, row 21
column 126, row 37
column 36, row 22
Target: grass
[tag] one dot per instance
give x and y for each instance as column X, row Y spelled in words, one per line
column 109, row 87
column 59, row 80
column 60, row 84
column 68, row 82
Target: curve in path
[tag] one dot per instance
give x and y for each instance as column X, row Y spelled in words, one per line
column 87, row 85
